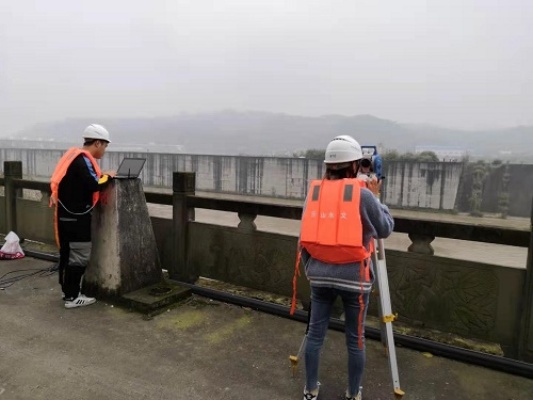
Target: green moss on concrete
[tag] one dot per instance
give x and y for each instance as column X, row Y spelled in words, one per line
column 228, row 330
column 184, row 320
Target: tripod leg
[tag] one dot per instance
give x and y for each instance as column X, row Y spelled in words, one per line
column 386, row 315
column 382, row 326
column 295, row 359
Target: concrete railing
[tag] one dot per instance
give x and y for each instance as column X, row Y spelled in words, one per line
column 472, row 299
column 445, row 186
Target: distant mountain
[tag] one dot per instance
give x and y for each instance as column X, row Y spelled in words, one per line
column 261, row 133
column 517, row 140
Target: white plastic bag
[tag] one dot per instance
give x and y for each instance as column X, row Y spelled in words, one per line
column 11, row 249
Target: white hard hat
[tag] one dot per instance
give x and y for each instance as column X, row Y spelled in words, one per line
column 343, row 149
column 95, row 131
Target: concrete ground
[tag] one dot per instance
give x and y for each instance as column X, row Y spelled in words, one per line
column 200, row 349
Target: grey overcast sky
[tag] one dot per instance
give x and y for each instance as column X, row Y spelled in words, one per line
column 457, row 63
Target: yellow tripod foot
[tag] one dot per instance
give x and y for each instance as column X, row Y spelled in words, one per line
column 294, row 365
column 398, row 394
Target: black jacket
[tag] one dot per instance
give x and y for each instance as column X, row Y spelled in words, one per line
column 77, row 187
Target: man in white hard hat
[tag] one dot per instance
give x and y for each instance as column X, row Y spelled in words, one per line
column 76, row 184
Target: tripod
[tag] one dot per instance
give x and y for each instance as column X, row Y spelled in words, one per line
column 385, row 314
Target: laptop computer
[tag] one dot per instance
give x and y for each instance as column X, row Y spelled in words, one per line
column 130, row 168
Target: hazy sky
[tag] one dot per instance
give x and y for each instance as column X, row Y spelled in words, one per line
column 458, row 63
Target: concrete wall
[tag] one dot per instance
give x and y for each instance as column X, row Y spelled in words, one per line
column 422, row 185
column 470, row 299
column 34, row 217
column 438, row 186
column 258, row 260
column 35, row 220
column 519, row 188
column 3, row 227
column 467, row 298
column 35, row 162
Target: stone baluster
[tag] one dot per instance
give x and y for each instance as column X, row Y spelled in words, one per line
column 421, row 244
column 247, row 222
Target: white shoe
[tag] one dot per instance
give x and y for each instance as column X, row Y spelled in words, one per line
column 311, row 395
column 80, row 301
column 358, row 397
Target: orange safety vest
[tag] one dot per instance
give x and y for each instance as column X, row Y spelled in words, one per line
column 331, row 229
column 60, row 172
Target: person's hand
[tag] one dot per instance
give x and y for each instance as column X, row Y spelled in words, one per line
column 53, row 200
column 374, row 185
column 111, row 174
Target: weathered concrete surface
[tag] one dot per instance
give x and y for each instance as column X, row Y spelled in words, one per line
column 199, row 350
column 408, row 184
column 125, row 256
column 507, row 256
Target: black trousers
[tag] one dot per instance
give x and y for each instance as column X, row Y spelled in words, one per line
column 74, row 252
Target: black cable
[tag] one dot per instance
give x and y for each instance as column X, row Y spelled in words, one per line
column 25, row 273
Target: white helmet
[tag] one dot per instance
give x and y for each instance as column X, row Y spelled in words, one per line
column 343, row 149
column 95, row 131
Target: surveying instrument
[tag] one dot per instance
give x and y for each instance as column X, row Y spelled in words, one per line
column 371, row 166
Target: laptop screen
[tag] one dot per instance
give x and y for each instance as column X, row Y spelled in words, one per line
column 130, row 167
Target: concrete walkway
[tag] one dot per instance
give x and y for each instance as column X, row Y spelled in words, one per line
column 200, row 349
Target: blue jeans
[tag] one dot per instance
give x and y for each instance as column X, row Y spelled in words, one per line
column 355, row 307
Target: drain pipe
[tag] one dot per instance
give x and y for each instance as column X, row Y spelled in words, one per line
column 42, row 256
column 494, row 362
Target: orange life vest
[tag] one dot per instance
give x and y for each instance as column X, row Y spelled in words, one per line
column 331, row 229
column 62, row 167
column 60, row 172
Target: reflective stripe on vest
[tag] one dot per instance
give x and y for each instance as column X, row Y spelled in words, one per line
column 331, row 229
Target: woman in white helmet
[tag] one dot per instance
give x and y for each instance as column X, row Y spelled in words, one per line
column 351, row 280
column 76, row 184
column 343, row 157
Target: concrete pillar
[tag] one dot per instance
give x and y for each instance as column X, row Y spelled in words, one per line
column 526, row 328
column 12, row 170
column 183, row 185
column 124, row 255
